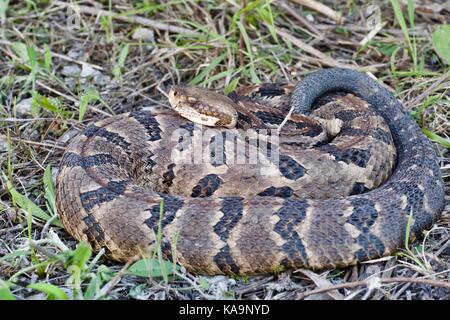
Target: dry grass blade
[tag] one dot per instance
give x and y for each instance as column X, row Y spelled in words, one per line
column 321, row 57
column 132, row 19
column 322, row 8
column 368, row 282
column 283, row 4
column 322, row 283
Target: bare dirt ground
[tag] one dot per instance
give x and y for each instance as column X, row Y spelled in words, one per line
column 64, row 66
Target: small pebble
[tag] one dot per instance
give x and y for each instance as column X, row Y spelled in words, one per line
column 3, row 143
column 24, row 106
column 87, row 71
column 71, row 71
column 144, row 34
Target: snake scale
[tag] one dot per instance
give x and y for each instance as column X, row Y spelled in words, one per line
column 118, row 186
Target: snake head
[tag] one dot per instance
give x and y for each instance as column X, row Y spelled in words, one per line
column 203, row 106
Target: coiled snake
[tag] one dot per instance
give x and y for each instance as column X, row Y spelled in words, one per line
column 119, row 184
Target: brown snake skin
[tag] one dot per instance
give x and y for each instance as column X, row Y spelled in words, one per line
column 329, row 201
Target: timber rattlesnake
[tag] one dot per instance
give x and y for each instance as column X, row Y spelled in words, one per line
column 328, row 205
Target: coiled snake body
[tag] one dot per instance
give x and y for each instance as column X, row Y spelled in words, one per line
column 216, row 218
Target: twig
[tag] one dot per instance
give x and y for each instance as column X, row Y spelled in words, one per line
column 24, row 120
column 75, row 101
column 322, row 282
column 132, row 19
column 38, row 143
column 115, row 280
column 194, row 285
column 366, row 282
column 428, row 90
column 60, row 56
column 300, row 19
column 330, row 62
column 42, row 250
column 241, row 37
column 323, row 59
column 399, row 292
column 323, row 9
column 372, row 33
column 11, row 229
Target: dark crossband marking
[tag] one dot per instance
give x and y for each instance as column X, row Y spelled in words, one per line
column 320, row 143
column 381, row 135
column 363, row 217
column 93, row 231
column 291, row 214
column 358, row 157
column 71, row 159
column 268, row 148
column 206, row 186
column 217, row 150
column 354, row 132
column 327, row 98
column 166, row 249
column 283, row 192
column 148, row 121
column 350, row 115
column 358, row 188
column 101, row 195
column 372, row 247
column 364, row 214
column 232, row 212
column 268, row 117
column 234, row 96
column 377, row 133
column 314, row 129
column 98, row 160
column 290, row 169
column 415, row 203
column 225, row 262
column 244, row 118
column 170, row 206
column 169, row 175
column 185, row 140
column 150, row 163
column 301, row 144
column 269, row 91
column 188, row 126
column 113, row 137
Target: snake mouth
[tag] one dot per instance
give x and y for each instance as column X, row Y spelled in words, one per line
column 175, row 96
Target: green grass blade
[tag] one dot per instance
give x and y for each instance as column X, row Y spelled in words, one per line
column 3, row 7
column 436, row 138
column 81, row 255
column 202, row 75
column 441, row 42
column 28, row 205
column 151, row 268
column 117, row 69
column 52, row 291
column 5, row 293
column 49, row 190
column 89, row 96
column 401, row 21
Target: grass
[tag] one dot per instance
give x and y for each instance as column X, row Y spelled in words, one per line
column 56, row 77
